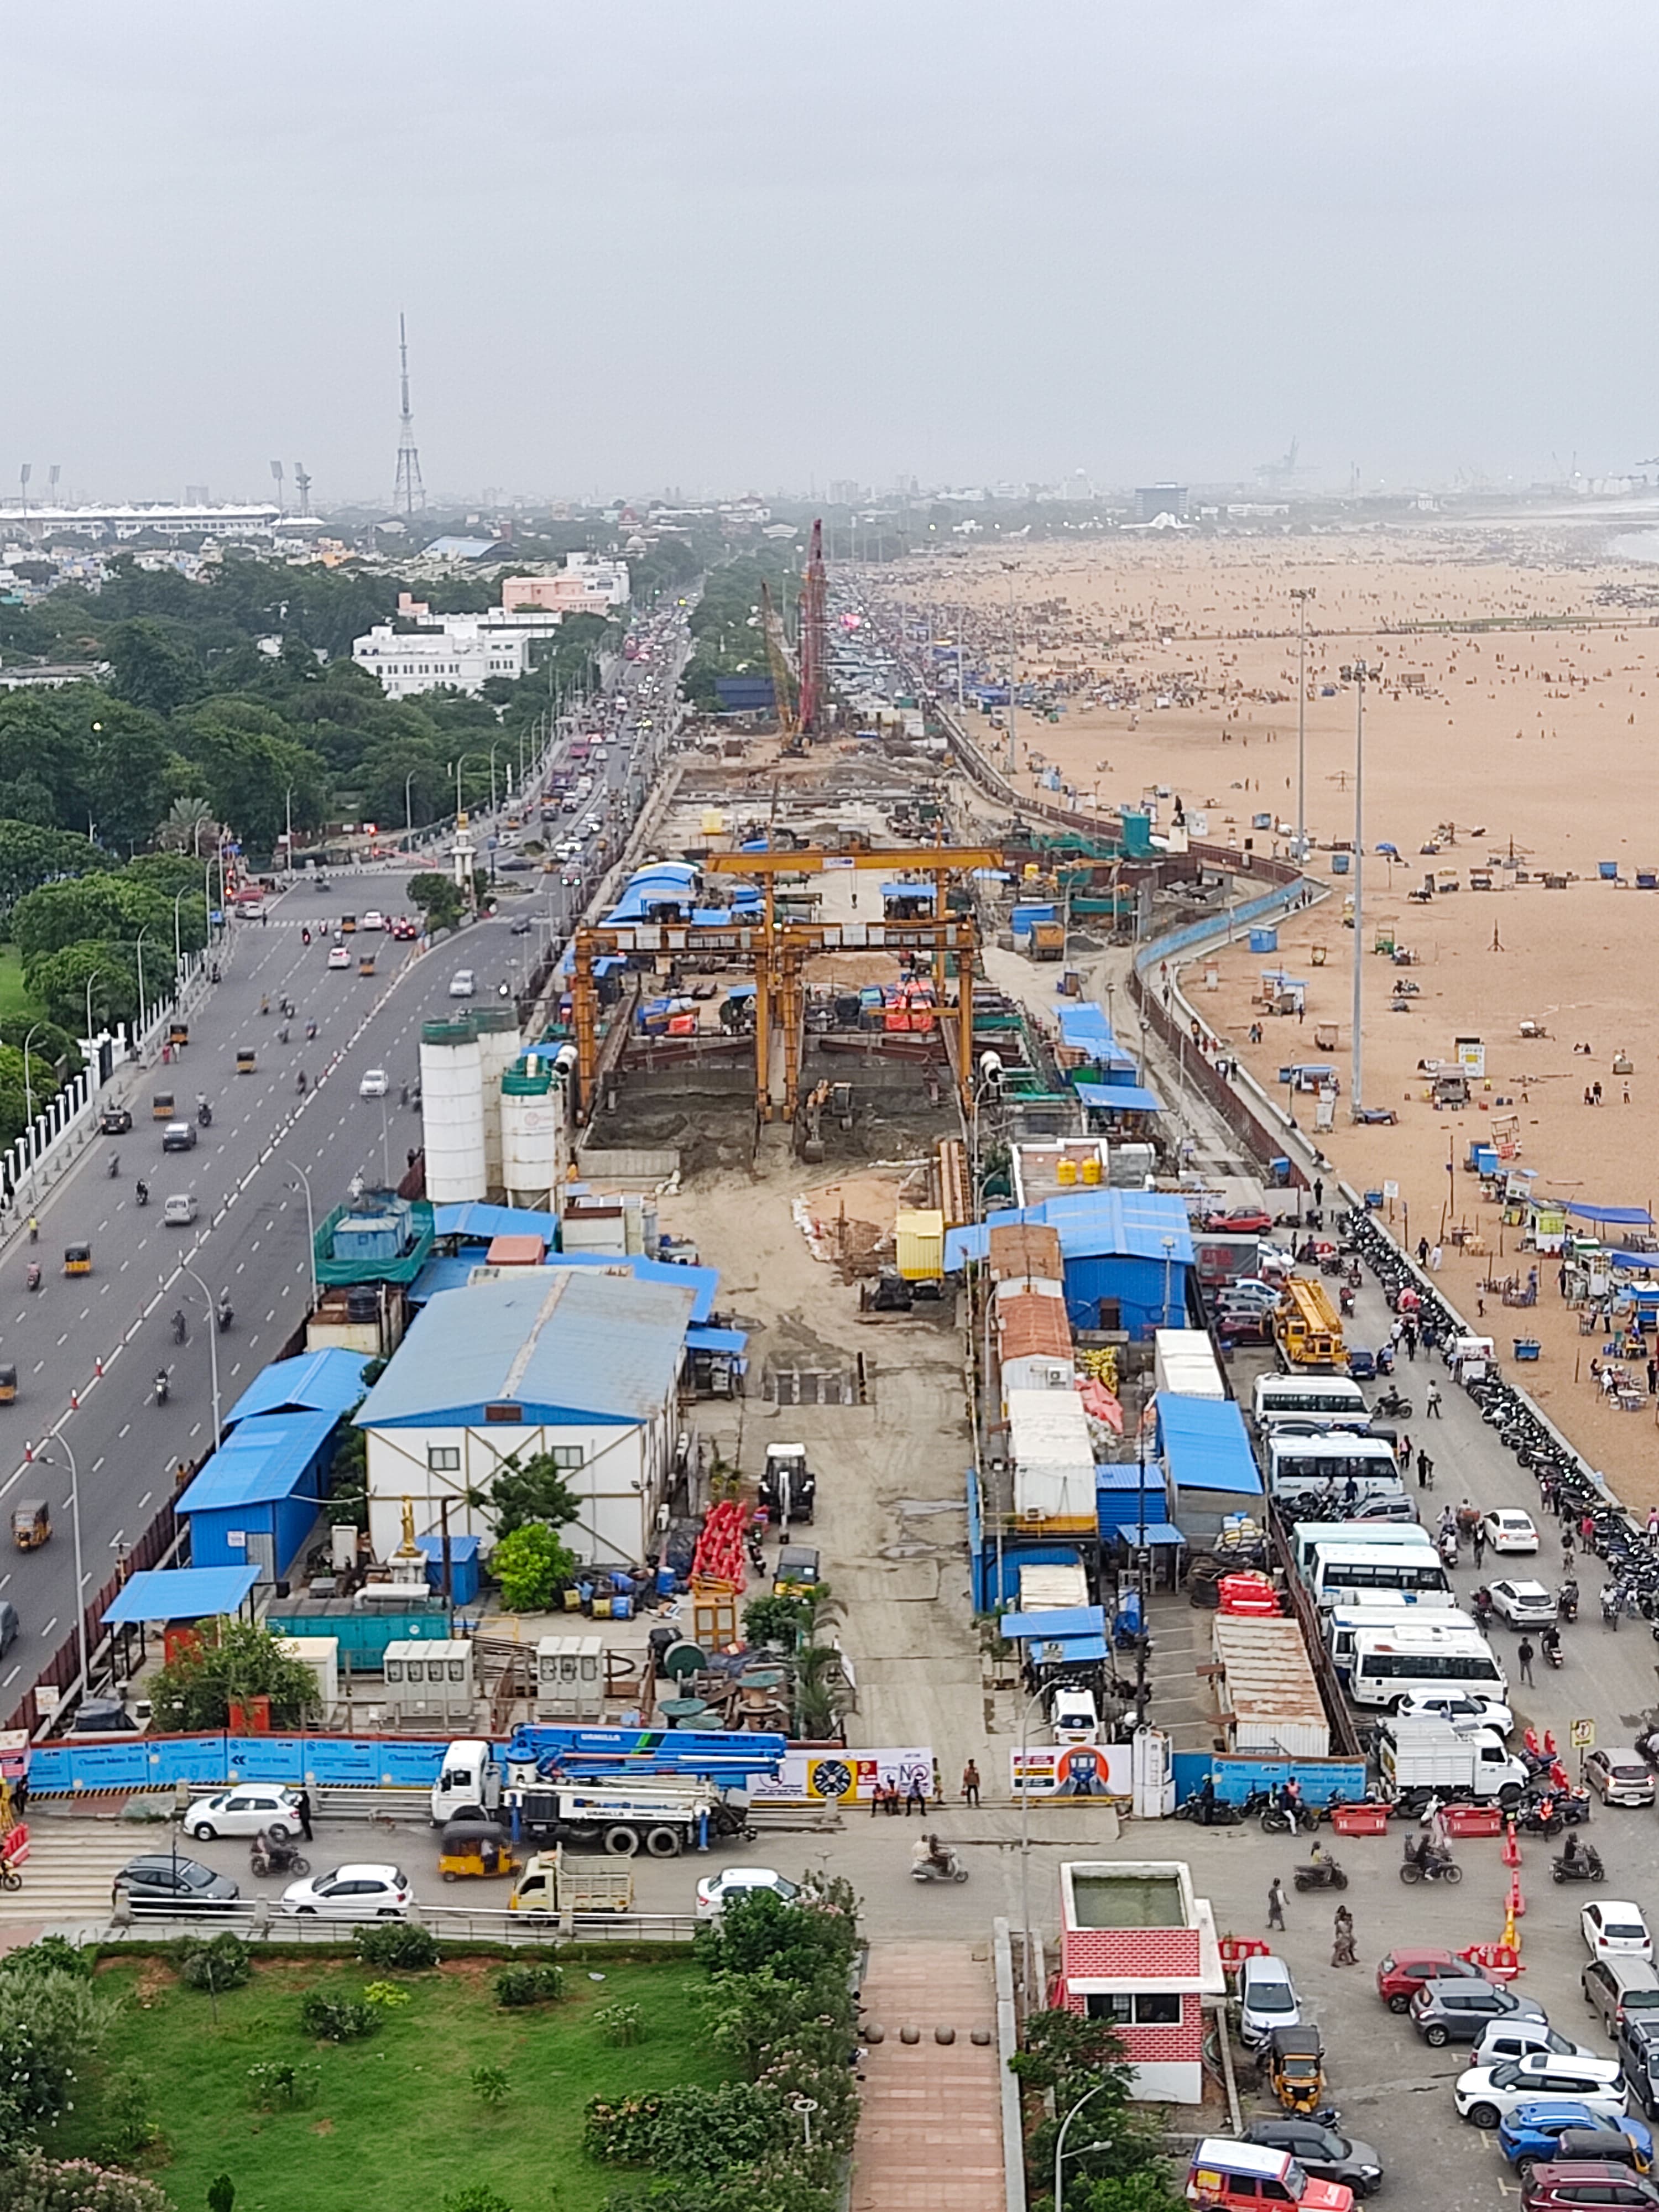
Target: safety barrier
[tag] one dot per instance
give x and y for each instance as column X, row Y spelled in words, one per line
column 159, row 1762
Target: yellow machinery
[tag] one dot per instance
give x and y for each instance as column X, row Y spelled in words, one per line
column 1308, row 1326
column 777, row 660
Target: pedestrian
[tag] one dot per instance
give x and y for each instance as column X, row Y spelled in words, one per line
column 1653, row 1376
column 1411, row 1343
column 302, row 1808
column 1587, row 1530
column 1403, row 1453
column 1343, row 1953
column 1319, row 1195
column 915, row 1796
column 1434, row 1261
column 1425, row 1471
column 1275, row 1903
column 1431, row 1402
column 1595, row 1092
column 1479, row 1540
column 970, row 1783
column 1422, row 1251
column 1653, row 1521
column 1524, row 1657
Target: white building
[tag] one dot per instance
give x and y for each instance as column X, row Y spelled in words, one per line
column 461, row 656
column 162, row 519
column 575, row 1361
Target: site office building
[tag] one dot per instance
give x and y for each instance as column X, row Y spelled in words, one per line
column 576, row 1362
column 1138, row 1949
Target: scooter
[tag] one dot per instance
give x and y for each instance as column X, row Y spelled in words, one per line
column 141, row 1192
column 31, row 1280
column 1584, row 1865
column 161, row 1389
column 932, row 1870
column 1322, row 1874
column 204, row 1115
column 224, row 1315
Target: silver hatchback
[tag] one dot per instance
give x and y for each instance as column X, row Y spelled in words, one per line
column 1460, row 2012
column 1619, row 1775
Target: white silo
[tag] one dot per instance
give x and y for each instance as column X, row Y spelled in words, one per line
column 498, row 1047
column 451, row 1112
column 532, row 1108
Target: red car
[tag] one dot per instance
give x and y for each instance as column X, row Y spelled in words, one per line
column 1245, row 1327
column 1562, row 2187
column 1242, row 1221
column 404, row 930
column 1402, row 1973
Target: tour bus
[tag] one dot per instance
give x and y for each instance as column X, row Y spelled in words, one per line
column 1380, row 1609
column 1308, row 1536
column 1303, row 1463
column 1336, row 1400
column 1389, row 1662
column 1339, row 1570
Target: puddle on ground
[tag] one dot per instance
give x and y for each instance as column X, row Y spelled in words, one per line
column 909, row 1551
column 907, row 1509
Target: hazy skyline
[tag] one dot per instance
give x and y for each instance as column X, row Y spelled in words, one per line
column 737, row 246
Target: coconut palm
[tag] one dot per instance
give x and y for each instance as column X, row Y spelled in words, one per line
column 188, row 827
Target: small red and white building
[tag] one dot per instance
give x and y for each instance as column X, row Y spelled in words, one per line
column 1137, row 1949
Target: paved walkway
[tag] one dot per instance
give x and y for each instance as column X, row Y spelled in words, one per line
column 931, row 2137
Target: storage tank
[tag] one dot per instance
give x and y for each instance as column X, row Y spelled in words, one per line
column 532, row 1108
column 498, row 1047
column 451, row 1112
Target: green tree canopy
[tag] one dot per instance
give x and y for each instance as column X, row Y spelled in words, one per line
column 233, row 1659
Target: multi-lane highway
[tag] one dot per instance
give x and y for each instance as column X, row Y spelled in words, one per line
column 87, row 1349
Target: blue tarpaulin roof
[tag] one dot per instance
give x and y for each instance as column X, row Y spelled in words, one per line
column 1131, row 1223
column 1619, row 1216
column 908, row 891
column 1118, row 1098
column 1064, row 1620
column 734, row 1340
column 268, row 1457
column 479, row 1223
column 1155, row 1532
column 327, row 1381
column 1120, row 1475
column 181, row 1594
column 1204, row 1444
column 453, row 1274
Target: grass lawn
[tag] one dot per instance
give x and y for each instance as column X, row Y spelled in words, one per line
column 396, row 2122
column 13, row 998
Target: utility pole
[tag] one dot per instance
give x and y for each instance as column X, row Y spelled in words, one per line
column 1301, row 595
column 1013, row 645
column 409, row 492
column 1356, row 674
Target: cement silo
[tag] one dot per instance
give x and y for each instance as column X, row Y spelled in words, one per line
column 452, row 1112
column 532, row 1113
column 498, row 1047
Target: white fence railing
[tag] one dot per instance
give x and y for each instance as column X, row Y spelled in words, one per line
column 257, row 1919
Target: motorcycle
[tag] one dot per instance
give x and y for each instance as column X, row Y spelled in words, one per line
column 1566, row 1600
column 141, row 1192
column 180, row 1327
column 1435, row 1866
column 945, row 1869
column 224, row 1315
column 159, row 1387
column 204, row 1115
column 114, row 1168
column 268, row 1856
column 1393, row 1405
column 301, row 1086
column 1322, row 1874
column 1612, row 1606
column 1578, row 1866
column 33, row 1278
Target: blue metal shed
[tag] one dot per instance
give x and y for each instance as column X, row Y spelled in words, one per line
column 180, row 1593
column 1212, row 1471
column 255, row 1502
column 327, row 1381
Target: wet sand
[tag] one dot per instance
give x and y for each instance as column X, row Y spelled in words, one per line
column 1541, row 735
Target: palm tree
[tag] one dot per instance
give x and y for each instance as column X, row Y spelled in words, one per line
column 189, row 825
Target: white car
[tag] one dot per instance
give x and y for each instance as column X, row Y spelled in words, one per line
column 462, row 984
column 1486, row 2095
column 374, row 1084
column 1509, row 1529
column 714, row 1889
column 339, row 956
column 1267, row 1998
column 245, row 1812
column 373, row 920
column 1523, row 1605
column 352, row 1892
column 1461, row 1708
column 1614, row 1926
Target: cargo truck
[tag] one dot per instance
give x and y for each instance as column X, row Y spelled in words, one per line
column 1419, row 1759
column 550, row 1883
column 1048, row 940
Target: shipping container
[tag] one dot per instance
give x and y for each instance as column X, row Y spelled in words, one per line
column 1184, row 1362
column 1053, row 1459
column 920, row 1233
column 1269, row 1699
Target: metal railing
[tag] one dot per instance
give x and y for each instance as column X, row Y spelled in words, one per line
column 253, row 1918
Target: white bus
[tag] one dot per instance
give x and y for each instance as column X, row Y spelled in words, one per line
column 1310, row 1534
column 1341, row 1570
column 1390, row 1663
column 1305, row 1464
column 1335, row 1400
column 1376, row 1610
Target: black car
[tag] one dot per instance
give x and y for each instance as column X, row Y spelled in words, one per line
column 160, row 1881
column 1327, row 2155
column 114, row 1121
column 179, row 1137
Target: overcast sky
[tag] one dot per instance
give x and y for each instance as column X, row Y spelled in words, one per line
column 760, row 244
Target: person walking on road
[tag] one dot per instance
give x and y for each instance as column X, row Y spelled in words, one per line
column 1275, row 1903
column 303, row 1807
column 1425, row 1471
column 1479, row 1542
column 1431, row 1410
column 970, row 1783
column 1524, row 1655
column 1343, row 1953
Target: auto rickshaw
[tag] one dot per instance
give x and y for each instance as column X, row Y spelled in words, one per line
column 31, row 1524
column 348, row 925
column 475, row 1847
column 178, row 1034
column 246, row 1059
column 8, row 1386
column 1293, row 2061
column 366, row 963
column 162, row 1107
column 798, row 1571
column 77, row 1259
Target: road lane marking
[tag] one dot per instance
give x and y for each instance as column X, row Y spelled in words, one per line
column 145, row 1499
column 122, row 1432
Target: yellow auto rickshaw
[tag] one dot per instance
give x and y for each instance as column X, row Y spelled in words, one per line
column 348, row 925
column 473, row 1846
column 798, row 1571
column 77, row 1259
column 366, row 963
column 8, row 1386
column 31, row 1523
column 178, row 1034
column 162, row 1107
column 246, row 1060
column 1293, row 2060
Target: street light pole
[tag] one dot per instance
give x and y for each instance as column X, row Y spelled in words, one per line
column 1059, row 2140
column 41, row 1451
column 138, row 951
column 178, row 942
column 409, row 808
column 28, row 1087
column 1301, row 595
column 287, row 809
column 1356, row 673
column 213, row 1343
column 310, row 1229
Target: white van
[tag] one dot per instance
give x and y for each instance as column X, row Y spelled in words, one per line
column 1341, row 1570
column 178, row 1213
column 1332, row 1400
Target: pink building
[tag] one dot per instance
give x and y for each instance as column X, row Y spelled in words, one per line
column 1138, row 1949
column 583, row 586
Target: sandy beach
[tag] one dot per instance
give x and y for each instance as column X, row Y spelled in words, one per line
column 1529, row 741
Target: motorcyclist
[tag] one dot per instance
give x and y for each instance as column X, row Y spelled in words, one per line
column 160, row 1386
column 311, row 1031
column 180, row 1326
column 141, row 1191
column 34, row 1230
column 301, row 1086
column 1550, row 1639
column 1574, row 1852
column 1567, row 1599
